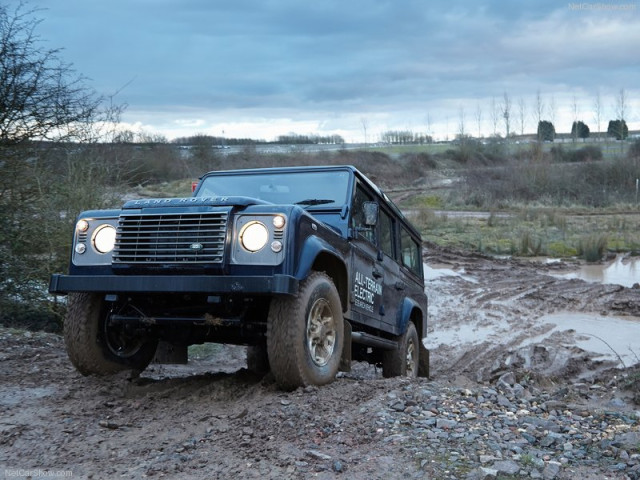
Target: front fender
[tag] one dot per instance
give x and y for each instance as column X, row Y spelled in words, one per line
column 311, row 248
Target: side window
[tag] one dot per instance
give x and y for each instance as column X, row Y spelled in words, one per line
column 385, row 226
column 410, row 252
column 357, row 216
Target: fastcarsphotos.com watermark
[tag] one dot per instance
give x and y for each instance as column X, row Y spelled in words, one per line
column 36, row 473
column 614, row 7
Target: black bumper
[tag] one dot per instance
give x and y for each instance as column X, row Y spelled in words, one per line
column 276, row 284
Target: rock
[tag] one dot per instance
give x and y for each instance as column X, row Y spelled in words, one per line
column 445, row 424
column 507, row 467
column 627, row 441
column 508, row 380
column 551, row 470
column 482, row 473
column 318, row 455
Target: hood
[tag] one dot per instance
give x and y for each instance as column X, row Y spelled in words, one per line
column 193, row 202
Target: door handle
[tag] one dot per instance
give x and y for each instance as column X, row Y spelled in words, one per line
column 376, row 273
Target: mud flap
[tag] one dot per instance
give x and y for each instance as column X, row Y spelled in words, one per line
column 423, row 361
column 345, row 360
column 168, row 353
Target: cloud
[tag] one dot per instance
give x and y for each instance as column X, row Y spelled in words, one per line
column 286, row 59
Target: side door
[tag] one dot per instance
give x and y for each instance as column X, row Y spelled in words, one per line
column 394, row 287
column 366, row 275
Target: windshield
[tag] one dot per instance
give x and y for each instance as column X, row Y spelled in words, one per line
column 326, row 188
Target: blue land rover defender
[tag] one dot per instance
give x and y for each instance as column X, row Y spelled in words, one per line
column 310, row 267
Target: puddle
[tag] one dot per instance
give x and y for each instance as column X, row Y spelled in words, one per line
column 614, row 338
column 469, row 334
column 436, row 272
column 623, row 271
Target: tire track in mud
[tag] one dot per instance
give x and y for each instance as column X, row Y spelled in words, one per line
column 490, row 315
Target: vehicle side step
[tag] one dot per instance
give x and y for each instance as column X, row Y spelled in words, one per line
column 373, row 341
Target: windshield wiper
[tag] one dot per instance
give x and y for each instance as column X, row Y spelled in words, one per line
column 315, row 201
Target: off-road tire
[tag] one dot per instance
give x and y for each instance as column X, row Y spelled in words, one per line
column 257, row 359
column 86, row 339
column 403, row 361
column 290, row 339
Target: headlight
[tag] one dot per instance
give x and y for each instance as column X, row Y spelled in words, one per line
column 104, row 239
column 254, row 236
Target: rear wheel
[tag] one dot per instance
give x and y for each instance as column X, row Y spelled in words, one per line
column 403, row 361
column 305, row 334
column 96, row 347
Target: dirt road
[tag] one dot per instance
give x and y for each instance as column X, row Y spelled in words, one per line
column 526, row 382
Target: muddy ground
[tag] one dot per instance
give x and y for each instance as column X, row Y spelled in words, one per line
column 213, row 419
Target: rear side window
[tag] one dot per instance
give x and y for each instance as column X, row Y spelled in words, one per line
column 385, row 225
column 410, row 253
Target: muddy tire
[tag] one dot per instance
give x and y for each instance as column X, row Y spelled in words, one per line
column 257, row 359
column 305, row 334
column 96, row 349
column 404, row 361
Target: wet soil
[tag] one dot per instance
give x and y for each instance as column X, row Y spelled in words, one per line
column 214, row 419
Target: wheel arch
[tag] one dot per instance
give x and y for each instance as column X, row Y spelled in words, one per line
column 320, row 256
column 411, row 311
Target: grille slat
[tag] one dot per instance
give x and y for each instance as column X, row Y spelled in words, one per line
column 171, row 238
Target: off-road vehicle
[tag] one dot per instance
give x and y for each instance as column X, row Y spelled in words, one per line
column 310, row 267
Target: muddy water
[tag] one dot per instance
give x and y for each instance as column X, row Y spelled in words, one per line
column 624, row 270
column 613, row 338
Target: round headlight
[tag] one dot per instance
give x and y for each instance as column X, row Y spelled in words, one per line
column 104, row 239
column 254, row 236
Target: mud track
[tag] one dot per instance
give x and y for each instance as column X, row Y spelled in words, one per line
column 491, row 320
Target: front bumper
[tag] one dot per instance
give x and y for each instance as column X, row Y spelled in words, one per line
column 261, row 285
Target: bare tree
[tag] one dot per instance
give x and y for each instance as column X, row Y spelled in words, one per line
column 621, row 114
column 521, row 114
column 552, row 110
column 365, row 126
column 505, row 111
column 574, row 107
column 479, row 120
column 597, row 112
column 495, row 115
column 461, row 124
column 539, row 111
column 41, row 97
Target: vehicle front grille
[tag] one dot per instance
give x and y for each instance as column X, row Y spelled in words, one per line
column 170, row 238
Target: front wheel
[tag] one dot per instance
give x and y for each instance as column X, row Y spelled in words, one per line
column 305, row 334
column 97, row 348
column 403, row 361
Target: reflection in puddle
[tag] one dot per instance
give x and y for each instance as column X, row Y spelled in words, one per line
column 614, row 338
column 623, row 271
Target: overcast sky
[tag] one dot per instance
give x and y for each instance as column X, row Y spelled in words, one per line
column 262, row 68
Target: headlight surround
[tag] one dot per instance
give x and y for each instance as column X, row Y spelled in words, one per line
column 104, row 239
column 254, row 236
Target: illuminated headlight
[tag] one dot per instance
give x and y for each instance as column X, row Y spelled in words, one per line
column 254, row 236
column 278, row 221
column 82, row 226
column 104, row 239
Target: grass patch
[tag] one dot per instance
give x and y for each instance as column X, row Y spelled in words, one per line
column 204, row 350
column 593, row 247
column 533, row 232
